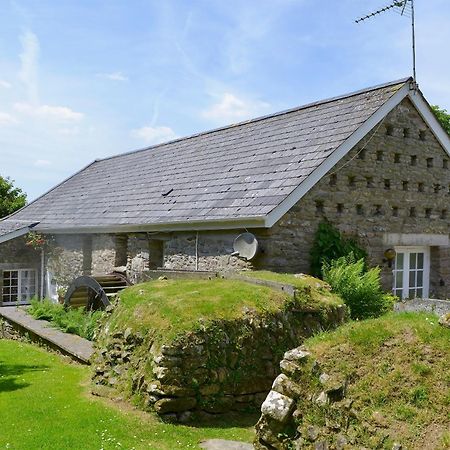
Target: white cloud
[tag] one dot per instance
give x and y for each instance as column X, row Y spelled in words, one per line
column 154, row 135
column 114, row 76
column 42, row 163
column 62, row 113
column 29, row 69
column 69, row 131
column 7, row 119
column 230, row 108
column 4, row 84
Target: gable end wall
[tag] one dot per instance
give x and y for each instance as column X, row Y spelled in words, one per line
column 378, row 187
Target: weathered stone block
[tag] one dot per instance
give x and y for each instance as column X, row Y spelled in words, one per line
column 173, row 405
column 278, row 407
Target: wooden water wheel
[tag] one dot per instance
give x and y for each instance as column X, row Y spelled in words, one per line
column 94, row 292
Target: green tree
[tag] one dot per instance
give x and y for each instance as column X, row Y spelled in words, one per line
column 11, row 198
column 443, row 116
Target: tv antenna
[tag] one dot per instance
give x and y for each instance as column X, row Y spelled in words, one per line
column 404, row 8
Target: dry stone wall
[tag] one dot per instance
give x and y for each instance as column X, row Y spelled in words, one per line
column 223, row 366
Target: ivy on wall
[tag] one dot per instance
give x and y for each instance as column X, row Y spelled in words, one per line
column 329, row 244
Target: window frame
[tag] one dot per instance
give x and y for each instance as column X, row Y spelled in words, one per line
column 407, row 270
column 20, row 284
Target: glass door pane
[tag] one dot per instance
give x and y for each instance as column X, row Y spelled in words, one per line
column 27, row 285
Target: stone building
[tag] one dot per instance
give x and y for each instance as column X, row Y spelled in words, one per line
column 375, row 163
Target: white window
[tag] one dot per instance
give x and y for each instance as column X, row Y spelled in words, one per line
column 412, row 272
column 19, row 286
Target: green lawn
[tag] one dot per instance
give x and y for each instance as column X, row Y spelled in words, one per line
column 44, row 404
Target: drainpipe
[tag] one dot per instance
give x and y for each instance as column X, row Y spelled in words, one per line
column 196, row 252
column 42, row 273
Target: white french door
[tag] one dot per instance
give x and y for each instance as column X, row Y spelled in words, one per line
column 412, row 272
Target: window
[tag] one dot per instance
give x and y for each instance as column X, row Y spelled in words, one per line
column 378, row 211
column 395, row 211
column 397, row 157
column 428, row 213
column 380, row 155
column 387, row 184
column 18, row 285
column 333, row 179
column 445, row 163
column 422, row 135
column 420, row 187
column 369, row 181
column 429, row 162
column 405, row 185
column 389, row 130
column 359, row 210
column 320, row 207
column 436, row 188
column 414, row 160
column 352, row 181
column 406, row 133
column 340, row 208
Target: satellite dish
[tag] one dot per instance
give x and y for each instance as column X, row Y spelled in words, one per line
column 245, row 246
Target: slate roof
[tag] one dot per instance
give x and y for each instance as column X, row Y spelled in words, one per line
column 238, row 172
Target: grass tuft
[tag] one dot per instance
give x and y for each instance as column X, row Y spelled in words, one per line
column 73, row 320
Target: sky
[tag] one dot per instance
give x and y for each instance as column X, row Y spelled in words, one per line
column 86, row 79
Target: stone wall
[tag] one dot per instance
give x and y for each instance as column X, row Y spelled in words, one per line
column 103, row 253
column 395, row 181
column 204, row 250
column 291, row 403
column 220, row 367
column 438, row 307
column 68, row 258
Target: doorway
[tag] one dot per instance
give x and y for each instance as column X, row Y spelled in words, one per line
column 412, row 272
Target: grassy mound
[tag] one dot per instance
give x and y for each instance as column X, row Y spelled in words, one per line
column 398, row 373
column 171, row 307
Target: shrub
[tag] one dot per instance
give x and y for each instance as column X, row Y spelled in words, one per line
column 329, row 244
column 361, row 290
column 73, row 320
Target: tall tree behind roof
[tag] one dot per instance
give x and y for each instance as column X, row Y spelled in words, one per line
column 443, row 117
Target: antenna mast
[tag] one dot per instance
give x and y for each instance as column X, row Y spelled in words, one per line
column 404, row 8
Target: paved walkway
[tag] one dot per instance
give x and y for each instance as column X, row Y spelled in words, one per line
column 69, row 344
column 221, row 444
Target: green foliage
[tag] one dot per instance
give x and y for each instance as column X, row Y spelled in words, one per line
column 443, row 116
column 397, row 366
column 75, row 320
column 11, row 198
column 329, row 244
column 360, row 290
